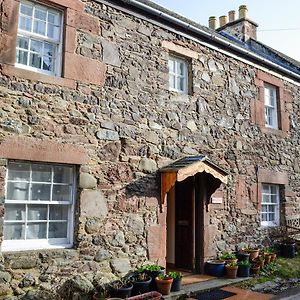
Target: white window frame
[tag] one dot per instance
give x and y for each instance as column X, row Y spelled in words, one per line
column 49, row 243
column 271, row 110
column 176, row 74
column 267, row 204
column 42, row 38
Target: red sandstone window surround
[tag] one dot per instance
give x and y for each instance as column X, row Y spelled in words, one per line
column 74, row 67
column 269, row 110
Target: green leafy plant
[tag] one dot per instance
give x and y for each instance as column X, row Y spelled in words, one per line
column 244, row 263
column 163, row 277
column 232, row 264
column 151, row 268
column 174, row 275
column 227, row 256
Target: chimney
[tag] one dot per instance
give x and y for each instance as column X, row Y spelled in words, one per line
column 231, row 15
column 242, row 28
column 223, row 20
column 243, row 12
column 212, row 23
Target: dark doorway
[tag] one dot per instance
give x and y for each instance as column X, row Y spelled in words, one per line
column 185, row 224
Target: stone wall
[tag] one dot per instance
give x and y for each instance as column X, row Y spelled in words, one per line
column 131, row 127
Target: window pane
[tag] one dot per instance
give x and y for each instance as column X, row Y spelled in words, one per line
column 41, row 173
column 271, row 208
column 25, row 23
column 180, row 84
column 35, row 60
column 17, row 191
column 264, row 217
column 14, row 231
column 14, row 212
column 58, row 212
column 61, row 193
column 171, row 65
column 58, row 230
column 26, row 9
column 49, row 49
column 36, row 46
column 62, row 174
column 18, row 171
column 36, row 231
column 22, row 57
column 172, row 81
column 180, row 68
column 40, row 192
column 266, row 198
column 37, row 212
column 48, row 63
column 264, row 208
column 39, row 27
column 40, row 14
column 23, row 43
column 271, row 217
column 54, row 18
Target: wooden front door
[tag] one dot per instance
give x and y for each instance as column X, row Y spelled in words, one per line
column 184, row 224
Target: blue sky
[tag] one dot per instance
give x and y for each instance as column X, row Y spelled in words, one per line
column 269, row 14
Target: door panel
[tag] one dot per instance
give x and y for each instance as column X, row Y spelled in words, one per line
column 184, row 218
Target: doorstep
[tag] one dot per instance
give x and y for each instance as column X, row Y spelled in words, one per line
column 203, row 286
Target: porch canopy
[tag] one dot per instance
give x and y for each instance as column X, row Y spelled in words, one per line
column 186, row 167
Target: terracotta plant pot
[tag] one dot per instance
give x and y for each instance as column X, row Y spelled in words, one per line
column 267, row 258
column 273, row 257
column 164, row 285
column 254, row 270
column 230, row 261
column 231, row 272
column 253, row 253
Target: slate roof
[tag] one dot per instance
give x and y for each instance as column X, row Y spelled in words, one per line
column 253, row 46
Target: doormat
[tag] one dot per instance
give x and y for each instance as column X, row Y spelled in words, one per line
column 195, row 278
column 216, row 294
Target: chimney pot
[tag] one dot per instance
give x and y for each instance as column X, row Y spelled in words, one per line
column 223, row 20
column 212, row 22
column 231, row 15
column 243, row 12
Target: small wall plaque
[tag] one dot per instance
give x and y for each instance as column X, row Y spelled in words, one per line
column 216, row 200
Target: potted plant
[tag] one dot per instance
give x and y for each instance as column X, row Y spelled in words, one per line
column 231, row 269
column 215, row 267
column 153, row 270
column 288, row 248
column 121, row 288
column 253, row 252
column 254, row 269
column 164, row 284
column 267, row 256
column 141, row 282
column 242, row 255
column 228, row 257
column 244, row 268
column 101, row 293
column 260, row 260
column 176, row 285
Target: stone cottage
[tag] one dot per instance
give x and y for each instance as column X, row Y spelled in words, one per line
column 130, row 134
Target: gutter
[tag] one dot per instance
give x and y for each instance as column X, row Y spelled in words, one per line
column 210, row 36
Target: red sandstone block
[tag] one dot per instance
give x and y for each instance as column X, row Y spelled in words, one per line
column 74, row 4
column 269, row 78
column 70, row 39
column 84, row 69
column 156, row 240
column 34, row 76
column 240, row 192
column 82, row 21
column 38, row 150
column 270, row 176
column 285, row 121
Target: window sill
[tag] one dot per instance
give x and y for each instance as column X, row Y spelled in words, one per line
column 10, row 70
column 273, row 131
column 17, row 248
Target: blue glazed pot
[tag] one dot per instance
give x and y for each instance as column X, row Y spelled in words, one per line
column 215, row 268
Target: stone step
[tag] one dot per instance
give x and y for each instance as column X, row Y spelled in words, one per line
column 203, row 286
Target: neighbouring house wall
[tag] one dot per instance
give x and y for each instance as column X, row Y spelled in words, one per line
column 129, row 126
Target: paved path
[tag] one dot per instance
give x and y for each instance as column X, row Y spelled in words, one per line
column 290, row 294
